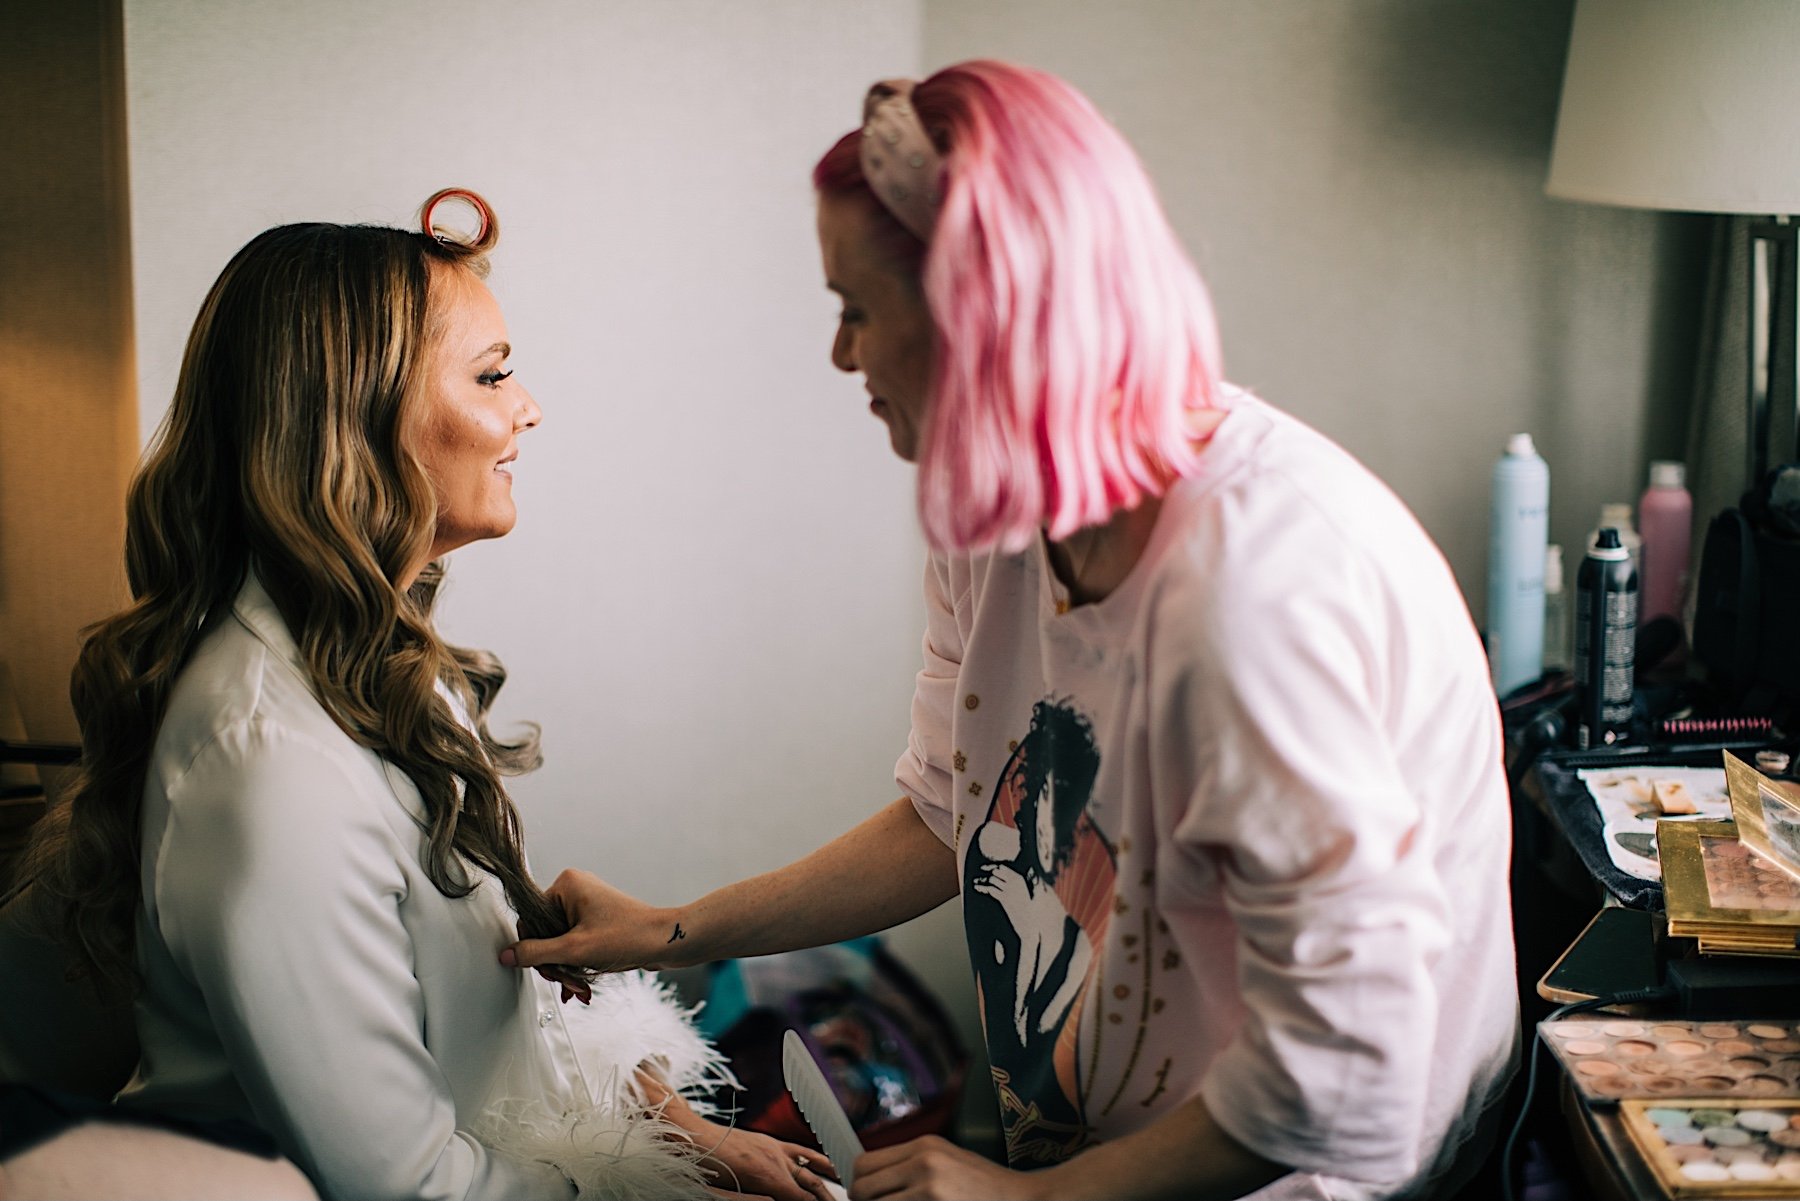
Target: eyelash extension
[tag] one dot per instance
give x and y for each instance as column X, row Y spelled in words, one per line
column 493, row 378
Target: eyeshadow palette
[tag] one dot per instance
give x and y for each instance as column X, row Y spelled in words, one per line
column 1719, row 1148
column 1767, row 813
column 1611, row 1058
column 1721, row 892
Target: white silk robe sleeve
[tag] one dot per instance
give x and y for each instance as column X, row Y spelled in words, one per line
column 278, row 889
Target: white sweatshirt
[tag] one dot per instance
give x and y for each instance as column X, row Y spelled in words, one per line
column 1239, row 830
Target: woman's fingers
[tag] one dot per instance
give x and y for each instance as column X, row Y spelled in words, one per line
column 814, row 1185
column 582, row 898
column 530, row 952
column 809, row 1159
column 611, row 931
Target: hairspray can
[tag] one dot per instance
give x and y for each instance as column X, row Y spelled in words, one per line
column 1606, row 611
column 1518, row 532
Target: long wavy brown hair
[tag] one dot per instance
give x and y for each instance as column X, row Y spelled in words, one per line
column 288, row 452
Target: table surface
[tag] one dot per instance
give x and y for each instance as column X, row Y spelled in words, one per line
column 1608, row 1158
column 1609, row 1161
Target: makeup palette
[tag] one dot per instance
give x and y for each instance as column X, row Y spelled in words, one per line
column 1719, row 1148
column 1612, row 1058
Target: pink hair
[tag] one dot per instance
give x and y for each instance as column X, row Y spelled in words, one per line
column 1074, row 338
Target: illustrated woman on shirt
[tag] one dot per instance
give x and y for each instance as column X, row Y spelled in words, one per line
column 289, row 837
column 1203, row 737
column 1031, row 955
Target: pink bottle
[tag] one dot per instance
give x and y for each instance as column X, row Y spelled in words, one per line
column 1666, row 523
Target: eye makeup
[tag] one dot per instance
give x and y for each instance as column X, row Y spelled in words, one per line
column 1725, row 895
column 1611, row 1058
column 1718, row 1148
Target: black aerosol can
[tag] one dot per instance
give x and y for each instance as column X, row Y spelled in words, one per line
column 1606, row 612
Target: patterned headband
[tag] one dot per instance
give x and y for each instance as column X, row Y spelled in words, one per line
column 902, row 166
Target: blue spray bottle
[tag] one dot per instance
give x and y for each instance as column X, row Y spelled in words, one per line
column 1518, row 532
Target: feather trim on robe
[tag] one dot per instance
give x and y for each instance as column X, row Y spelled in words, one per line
column 611, row 1143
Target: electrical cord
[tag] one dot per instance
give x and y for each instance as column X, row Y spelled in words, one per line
column 1508, row 1169
column 1543, row 731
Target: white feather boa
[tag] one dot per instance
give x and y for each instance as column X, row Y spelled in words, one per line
column 610, row 1143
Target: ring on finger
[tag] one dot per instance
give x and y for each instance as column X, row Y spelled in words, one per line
column 800, row 1161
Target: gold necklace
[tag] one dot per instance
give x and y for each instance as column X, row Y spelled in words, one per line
column 1075, row 569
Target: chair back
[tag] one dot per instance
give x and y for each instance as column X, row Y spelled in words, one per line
column 53, row 1034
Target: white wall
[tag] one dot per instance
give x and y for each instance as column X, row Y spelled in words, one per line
column 710, row 601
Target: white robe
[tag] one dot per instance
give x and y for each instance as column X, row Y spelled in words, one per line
column 302, row 972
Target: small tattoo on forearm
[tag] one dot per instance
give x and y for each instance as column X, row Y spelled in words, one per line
column 679, row 933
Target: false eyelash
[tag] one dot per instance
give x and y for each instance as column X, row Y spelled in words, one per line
column 1671, row 728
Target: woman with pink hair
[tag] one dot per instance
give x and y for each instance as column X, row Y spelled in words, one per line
column 1203, row 739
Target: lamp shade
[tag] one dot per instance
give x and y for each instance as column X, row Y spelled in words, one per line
column 1692, row 105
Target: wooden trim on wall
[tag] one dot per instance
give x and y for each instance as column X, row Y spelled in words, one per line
column 68, row 393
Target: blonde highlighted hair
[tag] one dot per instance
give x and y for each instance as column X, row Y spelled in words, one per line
column 288, row 452
column 1075, row 342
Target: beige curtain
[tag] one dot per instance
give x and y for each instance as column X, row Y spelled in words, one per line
column 1717, row 441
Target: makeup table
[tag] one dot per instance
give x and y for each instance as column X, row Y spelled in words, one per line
column 1609, row 1160
column 1613, row 1165
column 1680, row 1079
column 1706, row 1089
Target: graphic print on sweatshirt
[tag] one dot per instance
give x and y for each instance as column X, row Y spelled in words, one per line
column 1038, row 880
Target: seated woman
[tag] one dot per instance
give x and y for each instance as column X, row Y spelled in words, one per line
column 289, row 836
